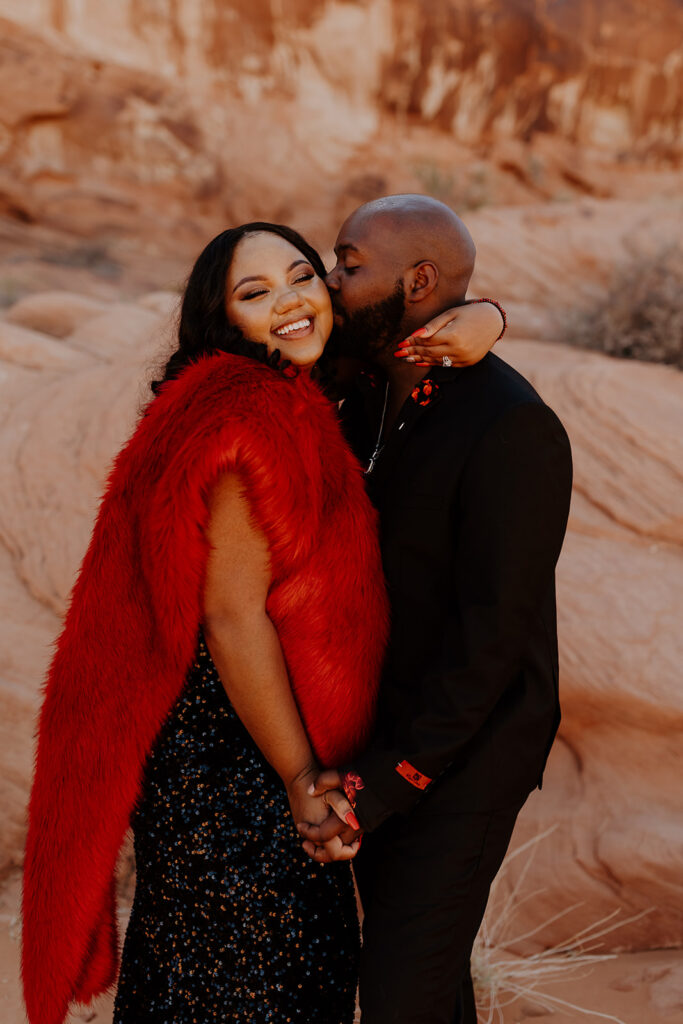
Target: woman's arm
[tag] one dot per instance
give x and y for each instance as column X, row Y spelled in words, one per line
column 245, row 647
column 465, row 334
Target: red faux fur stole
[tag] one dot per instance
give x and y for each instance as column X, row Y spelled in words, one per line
column 131, row 628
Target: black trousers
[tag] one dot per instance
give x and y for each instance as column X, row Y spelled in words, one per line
column 424, row 882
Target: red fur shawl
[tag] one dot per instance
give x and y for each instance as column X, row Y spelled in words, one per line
column 131, row 628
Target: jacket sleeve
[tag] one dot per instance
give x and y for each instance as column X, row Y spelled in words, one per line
column 509, row 521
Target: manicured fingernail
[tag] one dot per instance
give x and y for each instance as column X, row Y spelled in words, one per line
column 352, row 820
column 404, row 344
column 421, row 364
column 401, row 355
column 419, row 333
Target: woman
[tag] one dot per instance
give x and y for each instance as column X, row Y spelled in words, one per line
column 221, row 644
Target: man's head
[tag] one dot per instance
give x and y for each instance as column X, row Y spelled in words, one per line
column 401, row 260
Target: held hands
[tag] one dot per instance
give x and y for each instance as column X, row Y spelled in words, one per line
column 337, row 836
column 465, row 334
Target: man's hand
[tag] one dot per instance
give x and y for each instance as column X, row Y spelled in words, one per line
column 339, row 833
column 465, row 334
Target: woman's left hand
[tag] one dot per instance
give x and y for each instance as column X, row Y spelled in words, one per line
column 327, row 811
column 465, row 334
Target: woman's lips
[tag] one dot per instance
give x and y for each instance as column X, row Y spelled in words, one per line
column 294, row 331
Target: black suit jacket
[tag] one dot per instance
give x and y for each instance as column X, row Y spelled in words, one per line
column 473, row 489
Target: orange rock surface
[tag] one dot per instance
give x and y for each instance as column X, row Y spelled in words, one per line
column 132, row 132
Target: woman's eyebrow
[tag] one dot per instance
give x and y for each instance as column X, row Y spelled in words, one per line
column 260, row 278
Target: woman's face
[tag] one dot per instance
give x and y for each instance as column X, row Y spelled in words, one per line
column 274, row 296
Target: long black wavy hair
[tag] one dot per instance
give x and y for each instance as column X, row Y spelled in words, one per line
column 204, row 326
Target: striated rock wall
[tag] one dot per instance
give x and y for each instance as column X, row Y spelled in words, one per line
column 143, row 114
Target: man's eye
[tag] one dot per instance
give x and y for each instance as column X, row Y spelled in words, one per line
column 350, row 270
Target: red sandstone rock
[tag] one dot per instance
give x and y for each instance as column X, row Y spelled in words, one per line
column 36, row 351
column 117, row 118
column 613, row 785
column 55, row 313
column 129, row 136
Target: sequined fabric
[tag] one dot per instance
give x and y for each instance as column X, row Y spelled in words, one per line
column 231, row 921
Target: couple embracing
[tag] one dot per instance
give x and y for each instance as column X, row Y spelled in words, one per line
column 315, row 624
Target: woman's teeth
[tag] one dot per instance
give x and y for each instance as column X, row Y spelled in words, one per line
column 298, row 325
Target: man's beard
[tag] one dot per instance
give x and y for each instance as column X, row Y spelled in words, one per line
column 369, row 331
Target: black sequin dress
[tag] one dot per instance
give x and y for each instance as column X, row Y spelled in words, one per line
column 231, row 920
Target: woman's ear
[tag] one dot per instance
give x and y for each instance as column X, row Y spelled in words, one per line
column 421, row 280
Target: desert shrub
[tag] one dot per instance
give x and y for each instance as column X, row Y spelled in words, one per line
column 501, row 977
column 463, row 191
column 641, row 316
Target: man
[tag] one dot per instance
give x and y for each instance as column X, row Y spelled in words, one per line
column 471, row 474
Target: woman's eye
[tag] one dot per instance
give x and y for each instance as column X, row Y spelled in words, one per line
column 254, row 294
column 308, row 275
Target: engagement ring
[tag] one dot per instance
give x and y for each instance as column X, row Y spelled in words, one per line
column 447, row 361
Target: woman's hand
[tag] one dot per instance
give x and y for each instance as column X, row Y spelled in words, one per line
column 328, row 813
column 465, row 334
column 340, row 831
column 316, row 811
column 303, row 806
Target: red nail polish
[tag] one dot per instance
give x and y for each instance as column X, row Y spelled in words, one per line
column 352, row 820
column 404, row 344
column 401, row 355
column 419, row 333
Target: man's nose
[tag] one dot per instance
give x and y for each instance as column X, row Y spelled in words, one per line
column 332, row 280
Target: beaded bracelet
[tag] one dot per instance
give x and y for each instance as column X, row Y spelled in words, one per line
column 500, row 310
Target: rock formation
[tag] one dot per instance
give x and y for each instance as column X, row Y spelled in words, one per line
column 137, row 113
column 132, row 132
column 73, row 380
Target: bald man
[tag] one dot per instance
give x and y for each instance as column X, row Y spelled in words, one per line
column 471, row 474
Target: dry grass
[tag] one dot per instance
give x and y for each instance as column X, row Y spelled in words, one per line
column 641, row 316
column 500, row 977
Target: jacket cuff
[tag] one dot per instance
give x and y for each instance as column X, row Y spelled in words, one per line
column 389, row 787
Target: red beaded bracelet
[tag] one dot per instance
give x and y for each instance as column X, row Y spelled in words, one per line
column 500, row 310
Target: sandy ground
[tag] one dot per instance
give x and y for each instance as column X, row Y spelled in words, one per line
column 634, row 988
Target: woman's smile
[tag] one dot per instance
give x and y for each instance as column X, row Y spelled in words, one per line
column 301, row 327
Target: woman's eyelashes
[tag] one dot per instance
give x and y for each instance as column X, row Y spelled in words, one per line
column 307, row 275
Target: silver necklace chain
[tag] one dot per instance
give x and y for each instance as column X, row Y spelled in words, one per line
column 379, row 446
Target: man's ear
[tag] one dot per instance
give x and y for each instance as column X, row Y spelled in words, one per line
column 421, row 280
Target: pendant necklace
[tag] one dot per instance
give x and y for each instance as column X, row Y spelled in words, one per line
column 379, row 446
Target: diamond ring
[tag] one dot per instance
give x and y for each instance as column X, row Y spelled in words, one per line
column 447, row 361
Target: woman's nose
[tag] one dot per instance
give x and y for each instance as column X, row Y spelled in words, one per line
column 288, row 300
